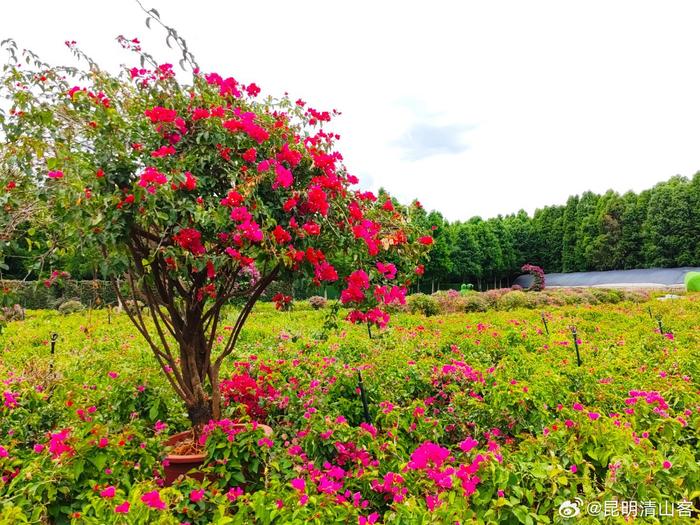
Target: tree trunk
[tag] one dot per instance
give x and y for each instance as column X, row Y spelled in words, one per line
column 200, row 413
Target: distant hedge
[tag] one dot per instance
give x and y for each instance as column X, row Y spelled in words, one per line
column 35, row 296
column 692, row 281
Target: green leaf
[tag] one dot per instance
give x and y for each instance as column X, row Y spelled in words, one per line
column 99, row 460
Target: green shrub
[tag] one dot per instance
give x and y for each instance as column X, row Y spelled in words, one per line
column 424, row 304
column 515, row 299
column 70, row 307
column 692, row 281
column 474, row 302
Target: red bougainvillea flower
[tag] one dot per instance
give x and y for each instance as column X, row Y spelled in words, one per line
column 163, row 151
column 191, row 240
column 151, row 178
column 426, row 240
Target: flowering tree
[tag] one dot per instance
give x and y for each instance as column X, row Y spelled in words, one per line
column 198, row 193
column 537, row 276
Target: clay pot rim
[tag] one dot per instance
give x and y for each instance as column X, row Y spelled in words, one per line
column 192, row 458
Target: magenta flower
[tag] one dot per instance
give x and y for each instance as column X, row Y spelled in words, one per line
column 10, row 400
column 593, row 415
column 369, row 428
column 233, row 493
column 109, row 492
column 123, row 508
column 196, row 495
column 573, row 469
column 298, row 484
column 428, row 454
column 667, row 464
column 3, row 452
column 578, row 406
column 57, row 174
column 368, row 520
column 267, row 442
column 152, row 500
column 468, row 444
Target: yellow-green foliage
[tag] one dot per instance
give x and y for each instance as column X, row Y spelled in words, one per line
column 623, row 426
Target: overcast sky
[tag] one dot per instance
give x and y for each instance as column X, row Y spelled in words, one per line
column 474, row 108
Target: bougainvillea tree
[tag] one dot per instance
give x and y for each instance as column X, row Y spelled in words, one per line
column 198, row 193
column 537, row 277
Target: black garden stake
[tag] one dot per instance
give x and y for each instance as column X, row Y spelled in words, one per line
column 54, row 338
column 544, row 322
column 574, row 334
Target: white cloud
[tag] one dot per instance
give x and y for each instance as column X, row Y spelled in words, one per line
column 550, row 97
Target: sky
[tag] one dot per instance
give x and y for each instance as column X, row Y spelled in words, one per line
column 474, row 108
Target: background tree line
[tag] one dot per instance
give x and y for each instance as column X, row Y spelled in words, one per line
column 659, row 227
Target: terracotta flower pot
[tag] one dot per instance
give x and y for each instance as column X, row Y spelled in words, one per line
column 176, row 465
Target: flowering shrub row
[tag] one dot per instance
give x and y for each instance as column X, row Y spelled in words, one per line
column 451, row 301
column 472, row 417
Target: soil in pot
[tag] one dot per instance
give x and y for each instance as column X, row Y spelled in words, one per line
column 187, row 456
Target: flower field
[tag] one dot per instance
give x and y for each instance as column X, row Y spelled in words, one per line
column 474, row 418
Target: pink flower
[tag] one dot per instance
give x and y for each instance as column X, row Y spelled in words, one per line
column 233, row 493
column 573, row 469
column 267, row 442
column 428, row 455
column 298, row 484
column 432, row 500
column 108, row 493
column 58, row 174
column 103, row 442
column 284, row 177
column 369, row 428
column 10, row 400
column 3, row 452
column 196, row 495
column 388, row 270
column 468, row 444
column 39, row 448
column 368, row 520
column 152, row 500
column 578, row 406
column 569, row 423
column 123, row 508
column 159, row 426
column 593, row 415
column 667, row 464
